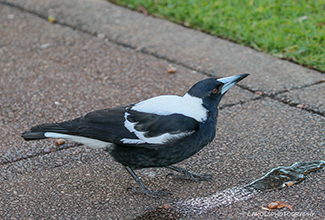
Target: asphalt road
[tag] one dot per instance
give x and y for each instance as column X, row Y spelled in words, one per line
column 98, row 55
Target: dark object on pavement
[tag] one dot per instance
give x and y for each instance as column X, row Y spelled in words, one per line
column 157, row 132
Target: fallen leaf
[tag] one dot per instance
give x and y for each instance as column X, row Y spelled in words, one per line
column 258, row 93
column 290, row 183
column 171, row 69
column 273, row 205
column 267, row 209
column 290, row 207
column 143, row 10
column 277, row 205
column 166, row 206
column 59, row 142
column 320, row 24
column 280, row 204
column 51, row 19
column 302, row 106
column 283, row 204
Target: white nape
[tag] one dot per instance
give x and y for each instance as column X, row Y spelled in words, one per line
column 169, row 104
column 90, row 142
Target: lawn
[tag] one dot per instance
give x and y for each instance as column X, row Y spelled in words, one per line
column 291, row 29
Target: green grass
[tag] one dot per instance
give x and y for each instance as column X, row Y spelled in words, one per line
column 273, row 26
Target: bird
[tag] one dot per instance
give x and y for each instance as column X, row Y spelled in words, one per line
column 158, row 132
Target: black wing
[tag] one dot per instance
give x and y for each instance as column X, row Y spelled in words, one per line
column 155, row 125
column 109, row 125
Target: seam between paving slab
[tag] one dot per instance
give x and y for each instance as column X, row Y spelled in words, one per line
column 63, row 147
column 162, row 57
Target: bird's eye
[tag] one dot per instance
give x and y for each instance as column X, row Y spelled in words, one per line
column 215, row 90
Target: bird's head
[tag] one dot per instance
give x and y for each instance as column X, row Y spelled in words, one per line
column 211, row 90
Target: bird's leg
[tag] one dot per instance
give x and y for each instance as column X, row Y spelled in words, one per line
column 143, row 189
column 188, row 175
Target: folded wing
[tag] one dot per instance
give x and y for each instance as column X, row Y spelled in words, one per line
column 119, row 125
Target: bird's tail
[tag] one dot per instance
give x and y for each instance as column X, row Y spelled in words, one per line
column 38, row 132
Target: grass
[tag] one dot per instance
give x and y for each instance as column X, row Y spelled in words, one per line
column 291, row 29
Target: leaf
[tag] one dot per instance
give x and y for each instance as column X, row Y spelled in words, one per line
column 171, row 69
column 283, row 204
column 292, row 183
column 143, row 10
column 51, row 19
column 267, row 209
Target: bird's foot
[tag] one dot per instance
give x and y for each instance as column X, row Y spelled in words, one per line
column 186, row 175
column 144, row 190
column 152, row 193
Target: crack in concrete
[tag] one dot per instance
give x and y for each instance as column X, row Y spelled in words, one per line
column 25, row 157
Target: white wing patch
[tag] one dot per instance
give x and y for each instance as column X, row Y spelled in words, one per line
column 93, row 143
column 168, row 104
column 161, row 139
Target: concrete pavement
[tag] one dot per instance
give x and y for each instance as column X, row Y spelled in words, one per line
column 99, row 55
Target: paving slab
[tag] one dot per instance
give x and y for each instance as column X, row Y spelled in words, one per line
column 52, row 72
column 59, row 74
column 192, row 48
column 81, row 183
column 307, row 200
column 312, row 97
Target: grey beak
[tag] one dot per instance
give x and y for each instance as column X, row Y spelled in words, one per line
column 230, row 81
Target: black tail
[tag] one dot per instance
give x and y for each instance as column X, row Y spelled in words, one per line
column 29, row 135
column 38, row 131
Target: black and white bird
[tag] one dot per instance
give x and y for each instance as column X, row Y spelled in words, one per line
column 158, row 132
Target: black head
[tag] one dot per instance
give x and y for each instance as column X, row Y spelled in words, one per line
column 211, row 90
